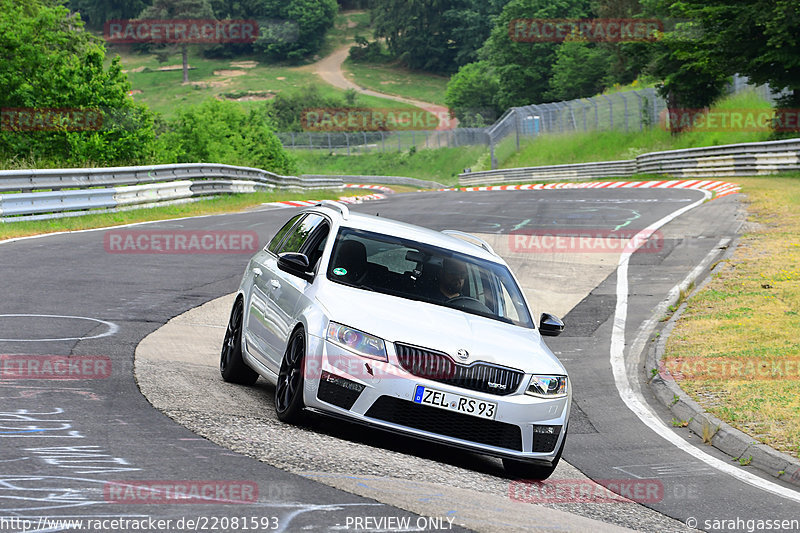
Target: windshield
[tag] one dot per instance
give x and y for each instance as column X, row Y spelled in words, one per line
column 416, row 271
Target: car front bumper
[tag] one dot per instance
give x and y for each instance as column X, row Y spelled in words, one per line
column 381, row 394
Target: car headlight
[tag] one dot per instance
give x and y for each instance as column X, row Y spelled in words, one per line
column 357, row 341
column 548, row 386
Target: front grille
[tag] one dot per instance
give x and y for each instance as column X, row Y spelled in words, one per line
column 438, row 366
column 450, row 424
column 338, row 391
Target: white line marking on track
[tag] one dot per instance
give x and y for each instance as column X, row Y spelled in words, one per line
column 112, row 328
column 633, row 397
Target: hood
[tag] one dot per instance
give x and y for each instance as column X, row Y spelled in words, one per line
column 439, row 328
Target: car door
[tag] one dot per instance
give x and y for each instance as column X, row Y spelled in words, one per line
column 260, row 318
column 285, row 290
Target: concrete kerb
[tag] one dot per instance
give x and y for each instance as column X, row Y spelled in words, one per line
column 733, row 442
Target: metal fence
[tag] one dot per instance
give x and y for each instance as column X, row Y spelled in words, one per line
column 634, row 110
column 383, row 141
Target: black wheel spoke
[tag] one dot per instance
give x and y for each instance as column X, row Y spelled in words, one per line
column 288, row 393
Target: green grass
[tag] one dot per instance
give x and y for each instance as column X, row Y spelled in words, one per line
column 393, row 79
column 221, row 204
column 347, row 25
column 558, row 149
column 744, row 323
column 442, row 164
column 164, row 92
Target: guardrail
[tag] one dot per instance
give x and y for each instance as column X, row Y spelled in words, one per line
column 383, row 180
column 59, row 191
column 579, row 171
column 55, row 179
column 744, row 159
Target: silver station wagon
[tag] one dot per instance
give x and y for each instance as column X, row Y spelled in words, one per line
column 403, row 328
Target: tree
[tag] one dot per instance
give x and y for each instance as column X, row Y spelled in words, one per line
column 472, row 94
column 755, row 38
column 96, row 12
column 525, row 68
column 297, row 28
column 221, row 132
column 435, row 35
column 179, row 9
column 579, row 71
column 51, row 66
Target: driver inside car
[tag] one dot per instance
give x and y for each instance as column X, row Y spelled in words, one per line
column 451, row 279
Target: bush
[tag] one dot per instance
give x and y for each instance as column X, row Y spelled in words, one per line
column 221, row 132
column 51, row 66
column 302, row 33
column 286, row 110
column 472, row 94
column 365, row 51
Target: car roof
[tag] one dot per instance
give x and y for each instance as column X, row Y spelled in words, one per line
column 388, row 226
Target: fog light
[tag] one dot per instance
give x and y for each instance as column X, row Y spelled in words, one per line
column 546, row 430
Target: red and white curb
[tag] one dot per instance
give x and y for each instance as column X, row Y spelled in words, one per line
column 379, row 188
column 345, row 199
column 719, row 188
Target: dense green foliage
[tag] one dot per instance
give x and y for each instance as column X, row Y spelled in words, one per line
column 221, row 132
column 755, row 38
column 303, row 31
column 472, row 94
column 179, row 9
column 97, row 12
column 52, row 66
column 285, row 111
column 580, row 69
column 435, row 35
column 53, row 77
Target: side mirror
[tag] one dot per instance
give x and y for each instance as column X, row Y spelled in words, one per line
column 550, row 325
column 296, row 265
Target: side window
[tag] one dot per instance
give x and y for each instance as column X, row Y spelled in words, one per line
column 315, row 245
column 294, row 242
column 276, row 240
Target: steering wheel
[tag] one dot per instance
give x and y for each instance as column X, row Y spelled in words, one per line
column 468, row 302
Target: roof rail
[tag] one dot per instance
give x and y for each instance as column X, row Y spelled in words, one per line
column 473, row 239
column 336, row 205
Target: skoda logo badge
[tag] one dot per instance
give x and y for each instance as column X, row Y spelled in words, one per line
column 463, row 354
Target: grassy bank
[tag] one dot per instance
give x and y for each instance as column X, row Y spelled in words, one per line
column 211, row 206
column 442, row 165
column 738, row 342
column 244, row 80
column 558, row 149
column 391, row 79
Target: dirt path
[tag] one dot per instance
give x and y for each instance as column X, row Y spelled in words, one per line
column 330, row 70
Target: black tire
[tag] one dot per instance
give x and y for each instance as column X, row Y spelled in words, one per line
column 231, row 365
column 532, row 471
column 289, row 390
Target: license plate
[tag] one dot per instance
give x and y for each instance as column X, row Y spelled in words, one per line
column 454, row 402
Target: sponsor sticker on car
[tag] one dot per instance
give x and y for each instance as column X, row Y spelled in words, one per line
column 453, row 402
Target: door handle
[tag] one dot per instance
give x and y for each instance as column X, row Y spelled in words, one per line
column 257, row 272
column 275, row 284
